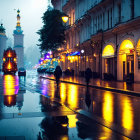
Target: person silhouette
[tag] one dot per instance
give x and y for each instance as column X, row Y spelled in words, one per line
column 58, row 74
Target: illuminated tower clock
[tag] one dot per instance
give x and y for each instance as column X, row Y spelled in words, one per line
column 18, row 42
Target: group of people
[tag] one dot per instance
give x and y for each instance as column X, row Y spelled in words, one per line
column 58, row 74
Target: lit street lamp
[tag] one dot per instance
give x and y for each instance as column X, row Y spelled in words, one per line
column 65, row 18
column 82, row 51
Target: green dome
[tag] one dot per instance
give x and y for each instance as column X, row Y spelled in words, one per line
column 18, row 11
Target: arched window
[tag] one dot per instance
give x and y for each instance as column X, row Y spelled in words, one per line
column 126, row 47
column 108, row 51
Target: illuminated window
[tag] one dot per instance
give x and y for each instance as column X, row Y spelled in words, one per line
column 126, row 47
column 108, row 51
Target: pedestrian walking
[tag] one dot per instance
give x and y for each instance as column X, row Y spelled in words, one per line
column 58, row 74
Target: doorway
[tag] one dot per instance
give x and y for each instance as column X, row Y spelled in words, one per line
column 109, row 65
column 128, row 67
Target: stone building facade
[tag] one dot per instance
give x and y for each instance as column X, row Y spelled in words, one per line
column 106, row 33
column 19, row 42
column 3, row 40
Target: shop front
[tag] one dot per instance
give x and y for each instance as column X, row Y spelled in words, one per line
column 125, row 61
column 108, row 62
column 72, row 63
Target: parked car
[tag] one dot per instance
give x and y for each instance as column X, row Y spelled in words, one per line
column 50, row 70
column 21, row 72
column 41, row 70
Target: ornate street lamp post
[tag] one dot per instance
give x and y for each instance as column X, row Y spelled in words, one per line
column 65, row 20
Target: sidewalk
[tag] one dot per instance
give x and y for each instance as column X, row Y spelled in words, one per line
column 116, row 86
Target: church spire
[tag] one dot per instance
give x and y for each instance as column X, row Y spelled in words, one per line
column 18, row 18
column 18, row 27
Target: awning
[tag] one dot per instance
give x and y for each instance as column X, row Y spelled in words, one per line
column 75, row 53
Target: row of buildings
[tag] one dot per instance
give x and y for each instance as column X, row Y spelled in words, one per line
column 18, row 42
column 103, row 35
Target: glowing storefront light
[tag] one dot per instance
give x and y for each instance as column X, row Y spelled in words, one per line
column 9, row 65
column 72, row 58
column 15, row 59
column 126, row 47
column 9, row 54
column 4, row 59
column 108, row 107
column 108, row 51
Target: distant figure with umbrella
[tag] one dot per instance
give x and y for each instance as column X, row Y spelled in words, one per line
column 58, row 74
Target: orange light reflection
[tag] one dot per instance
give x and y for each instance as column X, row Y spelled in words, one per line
column 10, row 86
column 72, row 121
column 72, row 95
column 108, row 106
column 63, row 92
column 9, row 98
column 127, row 114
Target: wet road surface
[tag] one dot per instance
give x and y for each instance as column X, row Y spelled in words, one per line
column 33, row 108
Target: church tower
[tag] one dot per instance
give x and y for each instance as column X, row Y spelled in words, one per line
column 18, row 42
column 3, row 40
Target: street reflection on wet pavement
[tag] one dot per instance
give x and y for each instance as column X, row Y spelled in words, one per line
column 111, row 106
column 32, row 108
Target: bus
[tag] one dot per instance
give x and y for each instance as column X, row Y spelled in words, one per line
column 9, row 61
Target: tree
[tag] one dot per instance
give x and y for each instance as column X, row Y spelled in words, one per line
column 52, row 32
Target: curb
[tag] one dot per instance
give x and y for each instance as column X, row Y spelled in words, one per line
column 133, row 93
column 120, row 130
